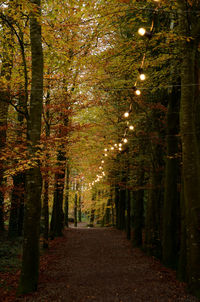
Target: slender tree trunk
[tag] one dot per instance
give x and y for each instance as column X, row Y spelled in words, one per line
column 57, row 219
column 153, row 216
column 45, row 210
column 75, row 208
column 18, row 192
column 102, row 215
column 182, row 264
column 138, row 210
column 67, row 195
column 107, row 216
column 171, row 209
column 92, row 218
column 128, row 215
column 21, row 212
column 112, row 206
column 17, row 201
column 117, row 206
column 5, row 75
column 122, row 206
column 30, row 258
column 92, row 212
column 79, row 205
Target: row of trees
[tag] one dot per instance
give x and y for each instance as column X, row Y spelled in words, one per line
column 63, row 94
column 155, row 179
column 41, row 66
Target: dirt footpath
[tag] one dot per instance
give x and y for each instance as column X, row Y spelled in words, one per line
column 99, row 265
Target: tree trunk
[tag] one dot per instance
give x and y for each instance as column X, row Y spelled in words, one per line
column 107, row 215
column 171, row 209
column 190, row 26
column 30, row 258
column 138, row 211
column 67, row 195
column 92, row 211
column 57, row 219
column 128, row 215
column 18, row 192
column 79, row 206
column 122, row 206
column 46, row 212
column 191, row 170
column 6, row 69
column 17, row 202
column 75, row 208
column 117, row 206
column 182, row 264
column 153, row 216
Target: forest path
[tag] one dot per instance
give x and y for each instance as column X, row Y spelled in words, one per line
column 99, row 265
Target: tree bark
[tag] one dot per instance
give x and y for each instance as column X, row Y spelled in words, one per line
column 17, row 201
column 190, row 25
column 18, row 192
column 153, row 216
column 6, row 70
column 171, row 208
column 79, row 206
column 117, row 206
column 67, row 195
column 57, row 219
column 75, row 208
column 45, row 210
column 128, row 215
column 30, row 258
column 138, row 210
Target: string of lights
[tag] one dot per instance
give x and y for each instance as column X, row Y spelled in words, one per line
column 118, row 147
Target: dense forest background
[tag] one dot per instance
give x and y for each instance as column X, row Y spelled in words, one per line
column 100, row 121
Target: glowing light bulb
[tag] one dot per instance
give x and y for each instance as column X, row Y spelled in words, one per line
column 103, row 173
column 105, row 154
column 100, row 168
column 125, row 140
column 112, row 148
column 141, row 31
column 142, row 77
column 115, row 145
column 126, row 114
column 120, row 145
column 105, row 150
column 138, row 92
column 131, row 127
column 102, row 161
column 120, row 149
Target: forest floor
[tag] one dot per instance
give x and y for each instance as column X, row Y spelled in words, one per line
column 99, row 265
